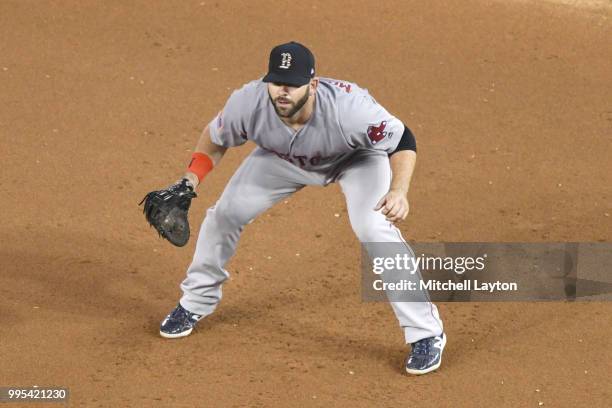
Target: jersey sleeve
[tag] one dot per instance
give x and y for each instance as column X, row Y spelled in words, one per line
column 229, row 127
column 368, row 125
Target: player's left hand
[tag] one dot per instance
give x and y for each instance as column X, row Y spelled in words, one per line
column 394, row 205
column 166, row 210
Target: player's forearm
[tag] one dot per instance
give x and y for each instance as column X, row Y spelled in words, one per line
column 402, row 166
column 207, row 147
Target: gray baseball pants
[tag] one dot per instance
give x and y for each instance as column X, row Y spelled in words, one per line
column 262, row 180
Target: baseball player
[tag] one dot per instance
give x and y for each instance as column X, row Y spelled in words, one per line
column 308, row 131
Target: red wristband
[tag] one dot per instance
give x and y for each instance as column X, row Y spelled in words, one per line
column 200, row 165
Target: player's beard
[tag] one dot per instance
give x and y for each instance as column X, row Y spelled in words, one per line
column 296, row 106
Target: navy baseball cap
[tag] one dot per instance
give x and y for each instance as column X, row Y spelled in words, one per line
column 291, row 63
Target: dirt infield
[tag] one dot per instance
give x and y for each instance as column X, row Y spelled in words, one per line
column 102, row 102
column 580, row 4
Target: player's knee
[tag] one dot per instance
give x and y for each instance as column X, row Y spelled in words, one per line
column 367, row 229
column 231, row 212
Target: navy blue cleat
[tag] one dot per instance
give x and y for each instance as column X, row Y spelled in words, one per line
column 179, row 323
column 426, row 355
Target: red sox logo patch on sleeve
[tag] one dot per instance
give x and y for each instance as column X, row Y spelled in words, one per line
column 376, row 133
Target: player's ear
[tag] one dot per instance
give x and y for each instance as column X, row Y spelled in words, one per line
column 314, row 82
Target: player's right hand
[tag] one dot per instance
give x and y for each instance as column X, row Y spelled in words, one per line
column 394, row 206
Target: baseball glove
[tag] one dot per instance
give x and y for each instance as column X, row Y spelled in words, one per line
column 166, row 210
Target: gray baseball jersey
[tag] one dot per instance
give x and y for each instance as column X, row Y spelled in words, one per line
column 345, row 118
